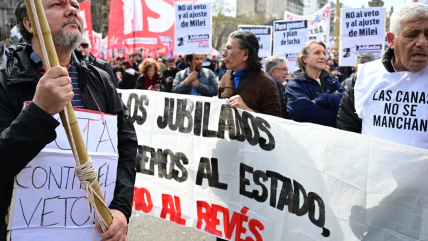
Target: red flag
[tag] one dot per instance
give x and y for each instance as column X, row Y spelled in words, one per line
column 96, row 47
column 85, row 12
column 141, row 23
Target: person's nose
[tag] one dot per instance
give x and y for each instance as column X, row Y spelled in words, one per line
column 71, row 11
column 422, row 41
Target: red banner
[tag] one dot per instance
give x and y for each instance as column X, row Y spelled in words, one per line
column 134, row 24
column 85, row 12
column 96, row 47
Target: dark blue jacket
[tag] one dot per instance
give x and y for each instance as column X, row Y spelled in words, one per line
column 302, row 89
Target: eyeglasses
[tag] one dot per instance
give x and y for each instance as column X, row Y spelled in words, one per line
column 284, row 69
column 85, row 46
column 228, row 50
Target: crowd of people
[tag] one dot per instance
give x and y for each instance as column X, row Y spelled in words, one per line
column 319, row 92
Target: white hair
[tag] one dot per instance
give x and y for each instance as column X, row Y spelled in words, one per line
column 407, row 12
column 273, row 62
column 87, row 40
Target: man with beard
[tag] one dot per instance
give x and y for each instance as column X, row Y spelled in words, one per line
column 195, row 80
column 85, row 47
column 23, row 78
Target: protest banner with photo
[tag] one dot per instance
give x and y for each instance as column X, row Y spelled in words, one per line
column 48, row 200
column 264, row 35
column 247, row 176
column 361, row 31
column 193, row 28
column 288, row 39
column 318, row 24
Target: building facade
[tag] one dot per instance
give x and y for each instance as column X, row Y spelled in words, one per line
column 7, row 17
column 270, row 9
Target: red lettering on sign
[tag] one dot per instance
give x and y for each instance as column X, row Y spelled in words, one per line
column 174, row 210
column 142, row 200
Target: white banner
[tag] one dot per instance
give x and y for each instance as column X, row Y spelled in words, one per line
column 318, row 24
column 362, row 31
column 193, row 28
column 48, row 200
column 248, row 176
column 264, row 35
column 288, row 39
column 97, row 40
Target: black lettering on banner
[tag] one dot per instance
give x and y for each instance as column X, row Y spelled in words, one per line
column 312, row 198
column 264, row 127
column 209, row 170
column 46, row 179
column 240, row 127
column 180, row 160
column 172, row 126
column 159, row 157
column 262, row 197
column 44, row 214
column 185, row 113
column 163, row 122
column 298, row 188
column 170, row 173
column 244, row 181
column 246, row 119
column 226, row 123
column 288, row 196
column 198, row 118
column 139, row 105
column 205, row 131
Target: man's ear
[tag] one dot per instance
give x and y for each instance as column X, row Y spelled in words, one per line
column 246, row 55
column 28, row 25
column 391, row 39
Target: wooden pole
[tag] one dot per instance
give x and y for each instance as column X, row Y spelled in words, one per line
column 78, row 140
column 336, row 29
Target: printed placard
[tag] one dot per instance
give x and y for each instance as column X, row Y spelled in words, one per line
column 288, row 39
column 264, row 35
column 193, row 28
column 362, row 31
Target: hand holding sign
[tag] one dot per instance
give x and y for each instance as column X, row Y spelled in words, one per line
column 237, row 102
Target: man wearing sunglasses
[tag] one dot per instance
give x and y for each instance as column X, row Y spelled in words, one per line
column 85, row 47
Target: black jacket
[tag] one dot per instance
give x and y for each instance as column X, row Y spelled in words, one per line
column 129, row 81
column 104, row 66
column 164, row 87
column 347, row 118
column 20, row 142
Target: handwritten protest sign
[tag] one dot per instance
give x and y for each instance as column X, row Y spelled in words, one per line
column 288, row 39
column 48, row 199
column 362, row 31
column 264, row 35
column 248, row 176
column 193, row 28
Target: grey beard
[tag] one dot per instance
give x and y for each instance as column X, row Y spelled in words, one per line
column 66, row 42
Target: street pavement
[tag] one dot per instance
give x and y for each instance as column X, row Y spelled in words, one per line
column 146, row 228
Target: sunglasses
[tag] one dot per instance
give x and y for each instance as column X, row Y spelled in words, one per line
column 85, row 46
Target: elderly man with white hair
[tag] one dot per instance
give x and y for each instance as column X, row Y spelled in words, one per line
column 85, row 47
column 276, row 68
column 389, row 96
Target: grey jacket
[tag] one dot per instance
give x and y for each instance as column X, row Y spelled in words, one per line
column 208, row 85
